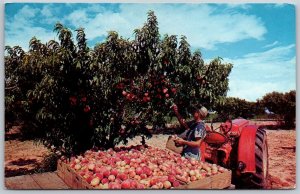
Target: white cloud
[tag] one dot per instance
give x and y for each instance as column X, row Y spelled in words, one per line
column 204, row 26
column 239, row 5
column 256, row 74
column 21, row 28
column 77, row 18
column 28, row 12
column 279, row 5
column 47, row 11
column 271, row 44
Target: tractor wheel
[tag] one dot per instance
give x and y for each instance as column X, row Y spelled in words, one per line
column 258, row 180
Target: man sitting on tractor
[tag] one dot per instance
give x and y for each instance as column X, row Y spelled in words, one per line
column 193, row 135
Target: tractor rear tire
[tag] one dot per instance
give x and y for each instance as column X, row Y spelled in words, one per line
column 258, row 180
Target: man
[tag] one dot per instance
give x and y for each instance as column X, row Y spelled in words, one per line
column 192, row 137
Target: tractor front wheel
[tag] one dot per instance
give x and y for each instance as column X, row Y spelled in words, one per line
column 258, row 180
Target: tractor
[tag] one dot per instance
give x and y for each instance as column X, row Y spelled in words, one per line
column 241, row 147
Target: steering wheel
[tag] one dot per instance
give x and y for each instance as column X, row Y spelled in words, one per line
column 227, row 126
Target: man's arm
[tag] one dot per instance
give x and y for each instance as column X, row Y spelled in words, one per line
column 179, row 117
column 190, row 143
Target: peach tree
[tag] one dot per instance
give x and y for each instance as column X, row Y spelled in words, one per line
column 77, row 97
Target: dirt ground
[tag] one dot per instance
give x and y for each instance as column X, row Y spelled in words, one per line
column 23, row 157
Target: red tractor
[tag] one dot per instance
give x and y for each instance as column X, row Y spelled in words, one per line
column 240, row 147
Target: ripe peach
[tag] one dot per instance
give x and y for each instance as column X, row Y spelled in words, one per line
column 153, row 181
column 89, row 179
column 111, row 178
column 137, row 177
column 105, row 180
column 77, row 161
column 99, row 175
column 138, row 170
column 171, row 178
column 95, row 181
column 91, row 167
column 160, row 185
column 77, row 167
column 122, row 163
column 133, row 184
column 125, row 184
column 132, row 174
column 193, row 178
column 140, row 186
column 176, row 184
column 105, row 186
column 192, row 173
column 122, row 176
column 106, row 173
column 118, row 181
column 143, row 176
column 154, row 187
column 167, row 184
column 114, row 172
column 114, row 185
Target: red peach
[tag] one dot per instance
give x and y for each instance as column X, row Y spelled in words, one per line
column 89, row 179
column 105, row 180
column 138, row 170
column 114, row 172
column 143, row 176
column 176, row 184
column 131, row 174
column 140, row 186
column 111, row 178
column 125, row 184
column 133, row 184
column 106, row 173
column 91, row 167
column 99, row 175
column 167, row 184
column 153, row 181
column 193, row 178
column 137, row 177
column 122, row 176
column 95, row 181
column 171, row 178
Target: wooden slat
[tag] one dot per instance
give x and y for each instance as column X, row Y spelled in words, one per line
column 60, row 169
column 21, row 182
column 221, row 181
column 49, row 180
column 71, row 177
column 68, row 177
column 218, row 181
column 200, row 184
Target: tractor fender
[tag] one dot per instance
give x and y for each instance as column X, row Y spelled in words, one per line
column 246, row 149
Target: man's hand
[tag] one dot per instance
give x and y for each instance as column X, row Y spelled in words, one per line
column 179, row 141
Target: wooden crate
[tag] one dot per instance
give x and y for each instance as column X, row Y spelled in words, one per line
column 71, row 177
column 171, row 146
column 218, row 181
column 75, row 181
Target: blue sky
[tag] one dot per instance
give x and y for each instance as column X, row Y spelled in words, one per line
column 259, row 39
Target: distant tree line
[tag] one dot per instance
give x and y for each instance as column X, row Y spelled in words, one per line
column 275, row 105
